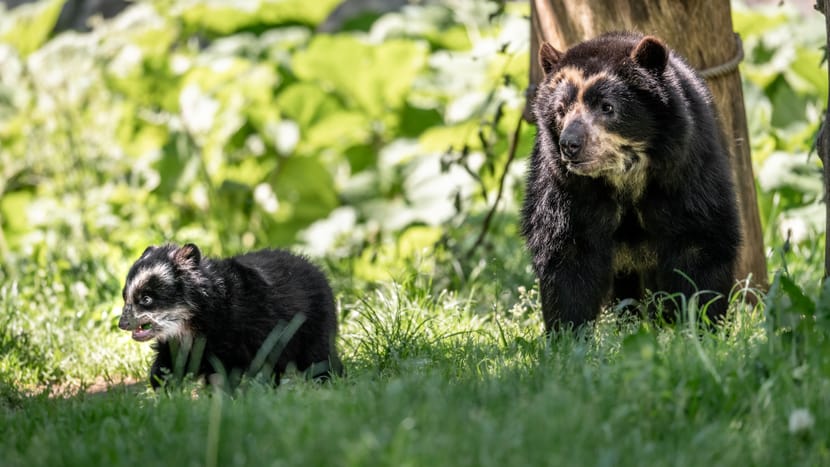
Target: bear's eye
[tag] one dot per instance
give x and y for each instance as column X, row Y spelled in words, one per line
column 146, row 300
column 559, row 109
column 607, row 108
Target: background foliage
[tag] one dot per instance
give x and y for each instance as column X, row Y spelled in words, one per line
column 237, row 127
column 786, row 93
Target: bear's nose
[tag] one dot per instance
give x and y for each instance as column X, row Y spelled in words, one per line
column 570, row 142
column 570, row 147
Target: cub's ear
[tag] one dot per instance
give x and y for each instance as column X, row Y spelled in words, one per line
column 651, row 53
column 189, row 254
column 149, row 249
column 549, row 57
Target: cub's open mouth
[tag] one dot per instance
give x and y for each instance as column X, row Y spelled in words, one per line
column 144, row 331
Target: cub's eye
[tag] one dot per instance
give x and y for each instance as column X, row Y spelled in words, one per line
column 607, row 108
column 560, row 110
column 145, row 300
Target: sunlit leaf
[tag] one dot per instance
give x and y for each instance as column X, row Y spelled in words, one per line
column 806, row 76
column 788, row 106
column 451, row 136
column 307, row 189
column 418, row 240
column 251, row 170
column 374, row 78
column 12, row 207
column 752, row 22
column 28, row 26
column 788, row 171
column 225, row 17
column 306, row 103
column 336, row 130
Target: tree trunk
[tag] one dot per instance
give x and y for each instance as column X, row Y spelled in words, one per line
column 701, row 31
column 823, row 146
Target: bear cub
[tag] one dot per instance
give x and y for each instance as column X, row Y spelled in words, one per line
column 629, row 186
column 235, row 316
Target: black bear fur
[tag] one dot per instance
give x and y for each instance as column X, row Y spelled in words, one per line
column 215, row 315
column 629, row 181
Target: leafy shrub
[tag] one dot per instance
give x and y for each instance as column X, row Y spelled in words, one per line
column 785, row 86
column 240, row 128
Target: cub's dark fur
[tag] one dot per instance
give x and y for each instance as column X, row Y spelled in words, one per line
column 629, row 181
column 268, row 308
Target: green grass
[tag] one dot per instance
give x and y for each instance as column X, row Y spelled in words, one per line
column 433, row 378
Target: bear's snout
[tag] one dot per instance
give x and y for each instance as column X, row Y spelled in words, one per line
column 572, row 140
column 127, row 319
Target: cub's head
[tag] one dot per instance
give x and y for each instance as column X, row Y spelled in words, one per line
column 600, row 104
column 156, row 292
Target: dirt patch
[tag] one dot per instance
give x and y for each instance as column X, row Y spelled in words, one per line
column 100, row 385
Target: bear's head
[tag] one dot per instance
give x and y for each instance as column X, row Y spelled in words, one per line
column 600, row 105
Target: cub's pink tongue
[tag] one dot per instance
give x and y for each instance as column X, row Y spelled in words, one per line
column 141, row 334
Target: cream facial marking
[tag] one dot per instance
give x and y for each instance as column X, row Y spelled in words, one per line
column 577, row 78
column 569, row 74
column 620, row 161
column 170, row 323
column 162, row 272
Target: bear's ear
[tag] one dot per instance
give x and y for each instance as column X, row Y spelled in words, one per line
column 651, row 53
column 548, row 57
column 188, row 255
column 147, row 251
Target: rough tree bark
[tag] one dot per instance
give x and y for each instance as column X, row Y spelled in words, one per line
column 823, row 145
column 701, row 30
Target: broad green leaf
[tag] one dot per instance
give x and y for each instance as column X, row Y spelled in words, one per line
column 296, row 11
column 256, row 84
column 361, row 157
column 392, row 261
column 28, row 26
column 221, row 19
column 788, row 106
column 415, row 120
column 431, row 22
column 140, row 25
column 452, row 38
column 306, row 103
column 140, row 140
column 225, row 17
column 754, row 23
column 806, row 75
column 177, row 166
column 305, row 190
column 442, row 138
column 233, row 74
column 374, row 78
column 336, row 130
column 792, row 137
column 250, row 171
column 12, row 211
column 787, row 171
column 418, row 239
